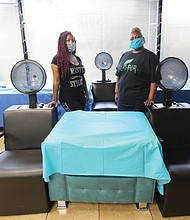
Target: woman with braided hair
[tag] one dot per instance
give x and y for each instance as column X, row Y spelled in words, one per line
column 69, row 84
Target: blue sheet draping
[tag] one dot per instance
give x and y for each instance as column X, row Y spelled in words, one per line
column 104, row 143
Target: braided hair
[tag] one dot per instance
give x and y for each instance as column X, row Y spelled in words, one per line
column 63, row 56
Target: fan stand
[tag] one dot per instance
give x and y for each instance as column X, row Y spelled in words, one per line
column 167, row 99
column 104, row 77
column 32, row 100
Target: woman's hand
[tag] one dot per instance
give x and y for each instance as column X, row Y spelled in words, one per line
column 116, row 97
column 52, row 104
column 116, row 90
column 87, row 99
column 149, row 102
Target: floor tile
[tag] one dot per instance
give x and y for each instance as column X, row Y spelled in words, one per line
column 79, row 211
column 40, row 216
column 123, row 212
column 155, row 212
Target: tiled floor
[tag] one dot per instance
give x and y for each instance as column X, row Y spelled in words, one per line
column 95, row 211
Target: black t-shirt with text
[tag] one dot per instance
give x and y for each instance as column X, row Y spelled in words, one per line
column 72, row 86
column 135, row 73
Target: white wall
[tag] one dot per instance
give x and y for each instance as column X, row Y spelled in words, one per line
column 99, row 25
column 10, row 40
column 175, row 41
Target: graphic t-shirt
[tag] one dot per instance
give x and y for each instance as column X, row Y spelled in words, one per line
column 135, row 72
column 72, row 86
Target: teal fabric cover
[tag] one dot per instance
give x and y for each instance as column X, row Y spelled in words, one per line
column 101, row 189
column 104, row 144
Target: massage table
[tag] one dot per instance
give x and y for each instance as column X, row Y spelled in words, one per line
column 103, row 157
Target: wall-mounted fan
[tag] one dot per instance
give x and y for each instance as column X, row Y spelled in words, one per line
column 103, row 62
column 28, row 77
column 171, row 76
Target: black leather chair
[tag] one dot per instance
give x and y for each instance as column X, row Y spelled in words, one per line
column 172, row 125
column 103, row 96
column 22, row 188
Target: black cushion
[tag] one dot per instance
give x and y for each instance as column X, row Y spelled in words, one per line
column 16, row 163
column 26, row 128
column 103, row 92
column 172, row 125
column 22, row 188
column 178, row 164
column 104, row 96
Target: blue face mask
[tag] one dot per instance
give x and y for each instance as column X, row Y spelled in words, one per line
column 137, row 43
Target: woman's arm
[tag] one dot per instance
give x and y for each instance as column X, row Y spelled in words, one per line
column 86, row 90
column 116, row 90
column 152, row 93
column 56, row 81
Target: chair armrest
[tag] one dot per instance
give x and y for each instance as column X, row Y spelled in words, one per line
column 160, row 139
column 2, row 133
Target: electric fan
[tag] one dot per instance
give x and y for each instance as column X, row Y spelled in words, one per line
column 103, row 61
column 28, row 77
column 171, row 76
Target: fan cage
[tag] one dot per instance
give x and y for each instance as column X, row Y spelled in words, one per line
column 28, row 76
column 171, row 76
column 103, row 61
column 165, row 80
